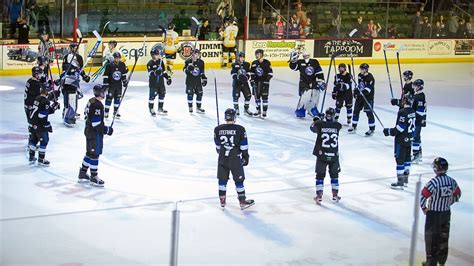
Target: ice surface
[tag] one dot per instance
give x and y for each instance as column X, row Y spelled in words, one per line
column 46, row 218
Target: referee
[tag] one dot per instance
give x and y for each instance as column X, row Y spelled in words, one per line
column 436, row 199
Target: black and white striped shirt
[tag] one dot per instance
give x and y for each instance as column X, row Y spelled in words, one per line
column 440, row 193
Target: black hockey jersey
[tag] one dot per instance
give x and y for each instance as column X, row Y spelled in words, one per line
column 73, row 69
column 194, row 72
column 32, row 90
column 156, row 73
column 327, row 141
column 342, row 82
column 94, row 116
column 39, row 114
column 309, row 70
column 230, row 140
column 114, row 74
column 366, row 85
column 261, row 71
column 408, row 88
column 405, row 127
column 240, row 72
column 419, row 106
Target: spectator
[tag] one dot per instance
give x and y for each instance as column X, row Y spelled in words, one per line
column 452, row 25
column 43, row 18
column 469, row 27
column 373, row 29
column 267, row 24
column 441, row 19
column 415, row 25
column 224, row 9
column 335, row 23
column 15, row 11
column 462, row 29
column 307, row 29
column 425, row 28
column 294, row 27
column 299, row 11
column 205, row 29
column 279, row 27
column 357, row 29
column 439, row 31
column 392, row 32
column 23, row 31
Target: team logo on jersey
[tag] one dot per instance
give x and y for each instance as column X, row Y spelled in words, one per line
column 241, row 72
column 196, row 71
column 309, row 71
column 186, row 50
column 117, row 75
column 259, row 71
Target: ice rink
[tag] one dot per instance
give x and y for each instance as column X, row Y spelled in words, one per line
column 47, row 218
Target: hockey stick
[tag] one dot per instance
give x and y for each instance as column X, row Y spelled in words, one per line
column 327, row 80
column 217, row 100
column 103, row 28
column 363, row 96
column 399, row 67
column 79, row 34
column 51, row 80
column 56, row 56
column 128, row 83
column 93, row 51
column 386, row 65
column 198, row 31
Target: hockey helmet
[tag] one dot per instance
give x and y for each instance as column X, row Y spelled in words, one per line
column 117, row 55
column 408, row 98
column 42, row 60
column 229, row 114
column 113, row 43
column 305, row 54
column 196, row 51
column 330, row 114
column 440, row 165
column 343, row 66
column 44, row 33
column 36, row 71
column 241, row 54
column 418, row 84
column 407, row 75
column 259, row 51
column 99, row 91
column 364, row 66
column 233, row 20
column 73, row 45
column 170, row 26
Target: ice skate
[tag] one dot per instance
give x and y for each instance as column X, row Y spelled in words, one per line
column 83, row 176
column 199, row 110
column 244, row 204
column 32, row 160
column 397, row 185
column 319, row 198
column 162, row 111
column 117, row 116
column 152, row 112
column 190, row 110
column 222, row 200
column 264, row 114
column 96, row 181
column 237, row 111
column 335, row 197
column 369, row 133
column 106, row 115
column 247, row 112
column 352, row 130
column 43, row 162
column 349, row 122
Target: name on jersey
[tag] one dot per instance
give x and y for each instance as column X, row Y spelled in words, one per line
column 227, row 132
column 328, row 130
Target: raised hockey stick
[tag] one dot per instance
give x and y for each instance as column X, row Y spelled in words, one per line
column 79, row 34
column 128, row 82
column 93, row 51
column 217, row 99
column 327, row 81
column 386, row 65
column 363, row 96
column 56, row 56
column 198, row 31
column 399, row 67
column 50, row 73
column 103, row 28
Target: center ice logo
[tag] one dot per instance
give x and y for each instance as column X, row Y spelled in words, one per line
column 196, row 71
column 259, row 71
column 116, row 75
column 309, row 71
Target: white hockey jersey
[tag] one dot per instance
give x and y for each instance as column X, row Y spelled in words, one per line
column 230, row 33
column 171, row 39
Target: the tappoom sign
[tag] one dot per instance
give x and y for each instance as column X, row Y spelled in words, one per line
column 343, row 48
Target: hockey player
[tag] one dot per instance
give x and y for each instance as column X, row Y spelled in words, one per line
column 407, row 88
column 46, row 47
column 32, row 90
column 261, row 72
column 195, row 80
column 403, row 133
column 311, row 83
column 232, row 147
column 240, row 83
column 115, row 76
column 342, row 92
column 156, row 75
column 108, row 55
column 436, row 199
column 326, row 151
column 72, row 71
column 171, row 40
column 40, row 126
column 365, row 89
column 419, row 106
column 228, row 35
column 94, row 132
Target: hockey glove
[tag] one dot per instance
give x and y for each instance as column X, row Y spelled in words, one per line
column 80, row 95
column 124, row 83
column 245, row 160
column 168, row 81
column 320, row 85
column 294, row 57
column 189, row 69
column 394, row 102
column 423, row 123
column 316, row 118
column 109, row 131
column 55, row 106
column 334, row 95
column 242, row 78
column 388, row 132
column 57, row 82
column 204, row 82
column 86, row 78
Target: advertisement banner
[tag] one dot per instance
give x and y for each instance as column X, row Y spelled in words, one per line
column 344, row 48
column 278, row 50
column 23, row 56
column 440, row 47
column 464, row 47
